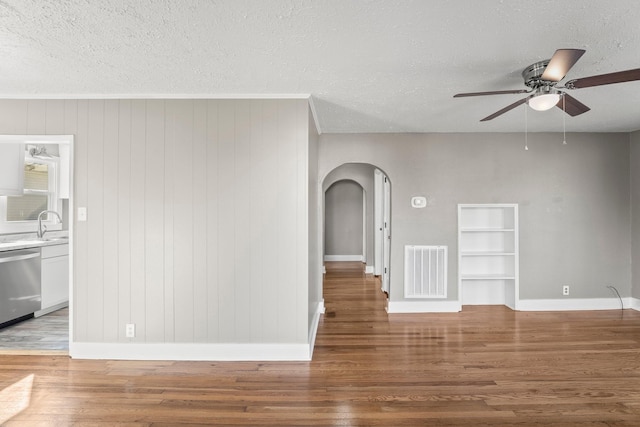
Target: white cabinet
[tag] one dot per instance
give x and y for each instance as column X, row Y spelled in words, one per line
column 488, row 254
column 11, row 168
column 55, row 278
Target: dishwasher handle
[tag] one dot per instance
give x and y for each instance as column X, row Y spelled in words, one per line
column 19, row 257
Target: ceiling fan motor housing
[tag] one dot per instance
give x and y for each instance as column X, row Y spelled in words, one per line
column 533, row 73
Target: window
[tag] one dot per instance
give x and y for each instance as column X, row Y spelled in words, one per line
column 20, row 213
column 37, row 193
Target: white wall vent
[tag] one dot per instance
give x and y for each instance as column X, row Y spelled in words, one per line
column 425, row 271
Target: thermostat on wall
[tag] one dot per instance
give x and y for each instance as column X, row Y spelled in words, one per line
column 418, row 202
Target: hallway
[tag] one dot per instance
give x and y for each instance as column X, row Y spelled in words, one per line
column 485, row 366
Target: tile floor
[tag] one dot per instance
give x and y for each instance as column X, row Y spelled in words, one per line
column 46, row 333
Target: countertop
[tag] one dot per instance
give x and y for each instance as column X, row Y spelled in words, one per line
column 12, row 242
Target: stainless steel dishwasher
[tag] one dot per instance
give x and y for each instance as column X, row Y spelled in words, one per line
column 20, row 293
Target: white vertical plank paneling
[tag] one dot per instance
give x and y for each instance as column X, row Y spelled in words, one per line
column 301, row 140
column 287, row 219
column 70, row 117
column 137, row 216
column 199, row 220
column 258, row 171
column 81, row 243
column 226, row 220
column 37, row 116
column 95, row 222
column 154, row 220
column 245, row 209
column 197, row 211
column 124, row 217
column 71, row 128
column 270, row 216
column 111, row 224
column 183, row 222
column 171, row 147
column 211, row 219
column 13, row 116
column 54, row 117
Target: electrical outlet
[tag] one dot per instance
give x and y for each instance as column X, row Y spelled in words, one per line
column 130, row 330
column 565, row 290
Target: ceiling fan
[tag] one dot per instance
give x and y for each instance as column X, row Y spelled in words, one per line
column 542, row 78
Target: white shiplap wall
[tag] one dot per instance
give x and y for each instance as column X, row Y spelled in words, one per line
column 197, row 226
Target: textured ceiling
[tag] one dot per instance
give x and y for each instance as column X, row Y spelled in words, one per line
column 371, row 66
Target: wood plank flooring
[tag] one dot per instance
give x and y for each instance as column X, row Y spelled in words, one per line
column 485, row 366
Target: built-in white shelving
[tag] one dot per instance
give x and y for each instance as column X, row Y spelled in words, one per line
column 488, row 254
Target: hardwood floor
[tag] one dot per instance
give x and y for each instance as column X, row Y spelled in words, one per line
column 485, row 366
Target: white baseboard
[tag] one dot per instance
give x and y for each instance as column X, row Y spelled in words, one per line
column 51, row 309
column 368, row 269
column 190, row 351
column 201, row 351
column 635, row 303
column 423, row 307
column 573, row 304
column 343, row 258
column 313, row 328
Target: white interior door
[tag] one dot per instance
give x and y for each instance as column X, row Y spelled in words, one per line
column 386, row 243
column 378, row 221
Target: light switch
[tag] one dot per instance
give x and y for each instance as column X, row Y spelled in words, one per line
column 82, row 214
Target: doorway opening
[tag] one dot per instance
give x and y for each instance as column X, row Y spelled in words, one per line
column 36, row 217
column 356, row 225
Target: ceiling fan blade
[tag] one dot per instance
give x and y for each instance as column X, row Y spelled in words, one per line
column 560, row 64
column 505, row 109
column 571, row 106
column 496, row 92
column 604, row 79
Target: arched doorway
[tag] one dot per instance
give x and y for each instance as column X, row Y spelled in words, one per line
column 345, row 220
column 376, row 214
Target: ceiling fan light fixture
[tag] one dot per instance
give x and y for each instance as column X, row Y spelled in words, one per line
column 544, row 101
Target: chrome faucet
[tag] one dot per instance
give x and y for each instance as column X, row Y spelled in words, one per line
column 43, row 228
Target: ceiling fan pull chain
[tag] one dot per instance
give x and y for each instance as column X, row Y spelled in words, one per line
column 526, row 128
column 564, row 126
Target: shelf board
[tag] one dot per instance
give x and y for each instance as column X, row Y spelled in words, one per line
column 487, row 253
column 487, row 277
column 484, row 230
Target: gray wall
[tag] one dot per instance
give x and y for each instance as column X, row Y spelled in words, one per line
column 198, row 222
column 574, row 200
column 363, row 175
column 343, row 219
column 635, row 209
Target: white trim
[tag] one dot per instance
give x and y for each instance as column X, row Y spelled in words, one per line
column 369, row 269
column 343, row 258
column 423, row 307
column 314, row 114
column 313, row 328
column 190, row 351
column 40, row 139
column 156, row 96
column 573, row 304
column 51, row 309
column 634, row 303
